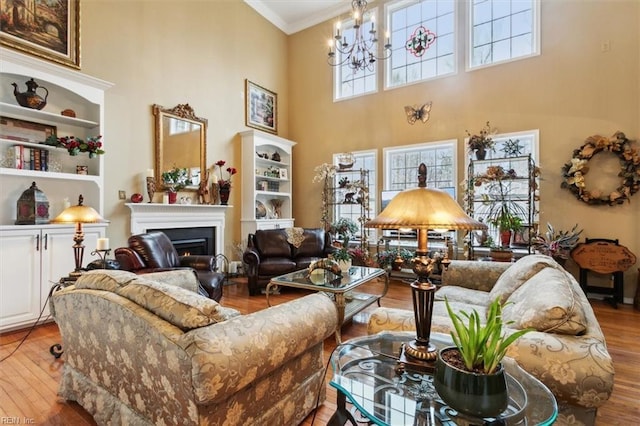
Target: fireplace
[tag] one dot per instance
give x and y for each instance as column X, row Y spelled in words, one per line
column 183, row 217
column 192, row 241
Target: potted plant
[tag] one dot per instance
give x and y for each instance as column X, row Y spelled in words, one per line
column 344, row 228
column 469, row 376
column 500, row 209
column 556, row 244
column 481, row 143
column 175, row 180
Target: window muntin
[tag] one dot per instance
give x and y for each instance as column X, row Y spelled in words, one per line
column 502, row 30
column 403, row 20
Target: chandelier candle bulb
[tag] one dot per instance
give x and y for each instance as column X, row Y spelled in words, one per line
column 150, row 173
column 103, row 244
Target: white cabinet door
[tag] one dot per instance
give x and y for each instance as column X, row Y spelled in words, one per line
column 20, row 297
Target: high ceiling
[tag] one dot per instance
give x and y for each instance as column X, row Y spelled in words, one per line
column 292, row 16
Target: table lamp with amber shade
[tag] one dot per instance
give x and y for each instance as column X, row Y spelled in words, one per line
column 423, row 209
column 78, row 214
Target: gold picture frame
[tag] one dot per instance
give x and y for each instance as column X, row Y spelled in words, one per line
column 261, row 108
column 42, row 29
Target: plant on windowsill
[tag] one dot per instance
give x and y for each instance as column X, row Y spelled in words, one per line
column 474, row 363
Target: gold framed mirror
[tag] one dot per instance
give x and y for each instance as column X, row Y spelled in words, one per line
column 180, row 141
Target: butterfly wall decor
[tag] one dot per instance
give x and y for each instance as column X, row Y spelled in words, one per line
column 416, row 112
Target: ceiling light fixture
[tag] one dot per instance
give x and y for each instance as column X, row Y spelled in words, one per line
column 361, row 53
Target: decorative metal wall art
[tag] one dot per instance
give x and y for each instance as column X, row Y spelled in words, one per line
column 418, row 113
column 420, row 41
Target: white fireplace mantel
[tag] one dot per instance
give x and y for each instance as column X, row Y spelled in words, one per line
column 145, row 216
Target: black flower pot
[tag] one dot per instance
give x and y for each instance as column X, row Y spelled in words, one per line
column 474, row 394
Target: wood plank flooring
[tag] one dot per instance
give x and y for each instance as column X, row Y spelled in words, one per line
column 29, row 378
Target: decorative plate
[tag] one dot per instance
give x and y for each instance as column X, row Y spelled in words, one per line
column 261, row 210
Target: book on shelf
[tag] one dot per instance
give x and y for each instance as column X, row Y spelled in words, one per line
column 27, row 158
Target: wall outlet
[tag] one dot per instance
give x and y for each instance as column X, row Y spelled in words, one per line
column 122, row 195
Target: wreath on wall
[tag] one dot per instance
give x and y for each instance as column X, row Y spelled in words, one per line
column 575, row 171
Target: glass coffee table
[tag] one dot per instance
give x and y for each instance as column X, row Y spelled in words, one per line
column 341, row 290
column 382, row 392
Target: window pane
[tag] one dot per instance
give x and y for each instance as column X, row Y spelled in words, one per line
column 427, row 25
column 496, row 24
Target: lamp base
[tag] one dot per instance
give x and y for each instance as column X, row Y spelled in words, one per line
column 409, row 362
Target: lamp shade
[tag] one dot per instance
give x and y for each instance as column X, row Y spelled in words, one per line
column 78, row 214
column 424, row 208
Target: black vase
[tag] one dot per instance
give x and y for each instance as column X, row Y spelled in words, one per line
column 481, row 153
column 474, row 394
column 224, row 194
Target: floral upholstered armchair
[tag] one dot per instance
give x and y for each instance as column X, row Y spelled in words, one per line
column 148, row 350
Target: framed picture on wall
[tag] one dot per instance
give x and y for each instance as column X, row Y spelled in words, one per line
column 42, row 28
column 261, row 108
column 283, row 174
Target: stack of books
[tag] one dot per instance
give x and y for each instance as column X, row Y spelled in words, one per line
column 29, row 158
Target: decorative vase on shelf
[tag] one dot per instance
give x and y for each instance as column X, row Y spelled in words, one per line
column 173, row 197
column 345, row 265
column 151, row 187
column 481, row 153
column 30, row 99
column 225, row 191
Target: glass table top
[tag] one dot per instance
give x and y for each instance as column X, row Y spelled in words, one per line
column 365, row 370
column 328, row 281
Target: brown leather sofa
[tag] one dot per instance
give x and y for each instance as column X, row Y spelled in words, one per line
column 154, row 252
column 269, row 253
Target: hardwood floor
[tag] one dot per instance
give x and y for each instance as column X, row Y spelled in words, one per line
column 29, row 377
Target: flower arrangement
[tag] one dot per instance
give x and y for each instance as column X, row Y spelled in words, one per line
column 386, row 258
column 345, row 228
column 556, row 244
column 482, row 141
column 176, row 179
column 222, row 182
column 74, row 145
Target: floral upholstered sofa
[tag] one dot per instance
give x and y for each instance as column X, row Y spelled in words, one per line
column 148, row 350
column 567, row 350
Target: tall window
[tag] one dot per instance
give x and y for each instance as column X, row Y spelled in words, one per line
column 401, row 165
column 363, row 173
column 349, row 83
column 423, row 40
column 502, row 30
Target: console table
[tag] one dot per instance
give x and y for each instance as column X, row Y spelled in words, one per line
column 383, row 392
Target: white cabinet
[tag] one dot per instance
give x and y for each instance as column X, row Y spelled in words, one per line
column 266, row 182
column 32, row 260
column 33, row 257
column 67, row 89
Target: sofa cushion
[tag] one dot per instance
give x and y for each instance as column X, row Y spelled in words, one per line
column 463, row 295
column 548, row 303
column 182, row 308
column 101, row 279
column 312, row 244
column 518, row 273
column 184, row 278
column 272, row 243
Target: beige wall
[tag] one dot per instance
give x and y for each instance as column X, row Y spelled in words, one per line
column 172, row 52
column 569, row 92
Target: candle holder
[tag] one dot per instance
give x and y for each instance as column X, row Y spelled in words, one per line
column 102, row 254
column 151, row 187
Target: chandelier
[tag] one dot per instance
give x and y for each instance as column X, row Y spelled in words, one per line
column 360, row 54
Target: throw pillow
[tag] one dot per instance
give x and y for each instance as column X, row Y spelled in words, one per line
column 548, row 303
column 518, row 273
column 182, row 308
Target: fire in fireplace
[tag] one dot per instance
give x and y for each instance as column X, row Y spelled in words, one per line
column 192, row 241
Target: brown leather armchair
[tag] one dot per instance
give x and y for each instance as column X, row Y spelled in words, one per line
column 269, row 254
column 154, row 252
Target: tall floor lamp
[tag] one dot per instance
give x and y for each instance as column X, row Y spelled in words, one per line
column 422, row 209
column 78, row 214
